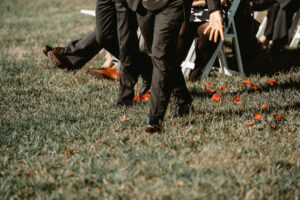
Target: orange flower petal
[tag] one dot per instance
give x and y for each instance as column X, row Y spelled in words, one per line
column 124, row 118
column 209, row 90
column 216, row 97
column 272, row 82
column 210, row 82
column 180, row 183
column 257, row 116
column 278, row 117
column 224, row 87
column 247, row 82
column 255, row 87
column 146, row 97
column 217, row 104
column 237, row 100
column 240, row 87
column 264, row 106
column 135, row 98
column 249, row 124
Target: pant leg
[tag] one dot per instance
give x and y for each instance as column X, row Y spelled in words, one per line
column 164, row 28
column 79, row 52
column 106, row 26
column 133, row 62
column 271, row 16
column 127, row 36
column 283, row 22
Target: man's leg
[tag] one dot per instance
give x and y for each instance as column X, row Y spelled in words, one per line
column 79, row 52
column 133, row 62
column 166, row 71
column 106, row 26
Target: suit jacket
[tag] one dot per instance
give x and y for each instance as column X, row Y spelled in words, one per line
column 213, row 5
column 135, row 4
column 284, row 3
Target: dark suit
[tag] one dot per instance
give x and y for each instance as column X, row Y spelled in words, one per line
column 284, row 21
column 79, row 52
column 160, row 28
column 115, row 31
column 133, row 62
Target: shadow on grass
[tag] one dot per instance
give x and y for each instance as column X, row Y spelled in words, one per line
column 266, row 88
column 265, row 63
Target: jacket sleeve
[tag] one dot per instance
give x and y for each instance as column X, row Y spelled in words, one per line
column 213, row 5
column 187, row 4
column 133, row 4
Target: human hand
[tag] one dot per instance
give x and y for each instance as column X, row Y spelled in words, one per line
column 215, row 26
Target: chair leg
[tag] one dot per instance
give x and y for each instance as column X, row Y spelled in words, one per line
column 237, row 48
column 189, row 63
column 211, row 61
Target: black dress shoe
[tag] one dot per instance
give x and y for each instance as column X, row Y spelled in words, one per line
column 122, row 103
column 183, row 110
column 153, row 125
column 46, row 49
column 145, row 87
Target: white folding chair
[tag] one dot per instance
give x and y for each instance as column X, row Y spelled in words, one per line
column 189, row 63
column 88, row 12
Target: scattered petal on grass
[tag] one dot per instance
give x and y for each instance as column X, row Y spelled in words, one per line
column 192, row 166
column 272, row 82
column 216, row 97
column 278, row 117
column 123, row 118
column 224, row 87
column 180, row 183
column 210, row 82
column 209, row 90
column 237, row 100
column 249, row 124
column 265, row 106
column 255, row 87
column 240, row 87
column 272, row 126
column 146, row 97
column 247, row 82
column 100, row 87
column 217, row 104
column 135, row 98
column 257, row 116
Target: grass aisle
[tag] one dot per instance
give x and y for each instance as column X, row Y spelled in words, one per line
column 61, row 137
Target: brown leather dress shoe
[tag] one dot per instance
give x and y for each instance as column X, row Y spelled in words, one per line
column 111, row 73
column 56, row 57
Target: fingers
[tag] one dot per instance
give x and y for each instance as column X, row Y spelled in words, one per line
column 211, row 35
column 206, row 29
column 216, row 35
column 222, row 34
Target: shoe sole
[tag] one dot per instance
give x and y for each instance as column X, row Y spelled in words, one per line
column 99, row 76
column 54, row 60
column 152, row 129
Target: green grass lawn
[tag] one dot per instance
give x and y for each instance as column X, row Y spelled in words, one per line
column 62, row 138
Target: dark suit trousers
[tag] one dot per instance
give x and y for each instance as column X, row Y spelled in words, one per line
column 133, row 62
column 284, row 20
column 79, row 52
column 160, row 30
